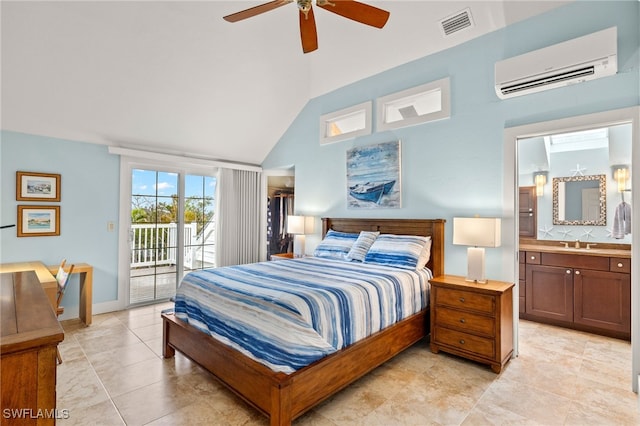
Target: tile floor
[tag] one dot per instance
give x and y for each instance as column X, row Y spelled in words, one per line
column 113, row 374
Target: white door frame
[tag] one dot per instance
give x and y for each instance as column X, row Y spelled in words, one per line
column 510, row 207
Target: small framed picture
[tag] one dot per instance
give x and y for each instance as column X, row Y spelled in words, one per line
column 32, row 186
column 38, row 221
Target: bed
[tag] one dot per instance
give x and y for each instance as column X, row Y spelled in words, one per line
column 283, row 397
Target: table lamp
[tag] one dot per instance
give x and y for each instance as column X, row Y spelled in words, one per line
column 477, row 233
column 299, row 226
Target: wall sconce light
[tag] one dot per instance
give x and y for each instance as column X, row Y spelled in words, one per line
column 621, row 174
column 299, row 226
column 477, row 233
column 540, row 180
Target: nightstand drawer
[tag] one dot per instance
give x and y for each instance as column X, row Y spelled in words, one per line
column 466, row 321
column 465, row 341
column 465, row 300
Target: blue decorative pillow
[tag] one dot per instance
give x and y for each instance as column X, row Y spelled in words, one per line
column 401, row 251
column 335, row 245
column 361, row 246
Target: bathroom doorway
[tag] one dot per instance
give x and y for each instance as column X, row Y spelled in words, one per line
column 516, row 175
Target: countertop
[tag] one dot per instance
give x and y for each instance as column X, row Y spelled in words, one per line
column 593, row 251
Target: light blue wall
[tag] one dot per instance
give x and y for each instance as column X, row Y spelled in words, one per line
column 454, row 167
column 89, row 200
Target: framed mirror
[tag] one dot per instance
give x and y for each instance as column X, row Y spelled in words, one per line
column 580, row 200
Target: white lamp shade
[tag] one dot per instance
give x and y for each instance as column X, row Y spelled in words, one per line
column 476, row 231
column 309, row 225
column 300, row 225
column 295, row 225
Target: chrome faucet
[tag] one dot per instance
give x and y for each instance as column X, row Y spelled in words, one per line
column 577, row 245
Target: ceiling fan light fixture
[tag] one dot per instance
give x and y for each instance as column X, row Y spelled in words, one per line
column 304, row 6
column 352, row 9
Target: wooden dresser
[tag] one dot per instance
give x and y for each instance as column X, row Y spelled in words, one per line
column 472, row 320
column 30, row 333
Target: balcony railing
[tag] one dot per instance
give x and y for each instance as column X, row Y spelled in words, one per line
column 156, row 244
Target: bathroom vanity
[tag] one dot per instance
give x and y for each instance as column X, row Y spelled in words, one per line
column 575, row 186
column 580, row 288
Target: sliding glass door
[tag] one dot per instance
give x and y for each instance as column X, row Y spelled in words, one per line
column 172, row 231
column 199, row 220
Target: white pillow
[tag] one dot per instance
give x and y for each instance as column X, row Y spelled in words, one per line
column 361, row 246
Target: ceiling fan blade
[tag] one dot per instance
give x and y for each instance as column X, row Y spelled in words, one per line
column 357, row 11
column 257, row 10
column 308, row 33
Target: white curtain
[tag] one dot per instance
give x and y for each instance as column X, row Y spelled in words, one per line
column 238, row 219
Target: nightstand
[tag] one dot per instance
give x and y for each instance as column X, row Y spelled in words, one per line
column 472, row 320
column 282, row 256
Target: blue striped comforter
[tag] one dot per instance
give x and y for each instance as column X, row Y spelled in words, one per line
column 288, row 314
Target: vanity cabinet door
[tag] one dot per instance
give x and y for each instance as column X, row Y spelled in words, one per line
column 602, row 299
column 550, row 292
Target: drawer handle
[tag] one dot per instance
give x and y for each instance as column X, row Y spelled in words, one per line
column 462, row 341
column 462, row 320
column 462, row 300
column 620, row 265
column 533, row 258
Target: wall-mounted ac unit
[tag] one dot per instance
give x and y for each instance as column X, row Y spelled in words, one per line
column 573, row 61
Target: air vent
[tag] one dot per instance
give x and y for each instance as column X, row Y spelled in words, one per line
column 457, row 22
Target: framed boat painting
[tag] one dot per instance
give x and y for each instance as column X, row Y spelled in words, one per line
column 373, row 176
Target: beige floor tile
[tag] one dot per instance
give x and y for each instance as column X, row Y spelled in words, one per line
column 78, row 385
column 115, row 358
column 488, row 414
column 101, row 414
column 155, row 345
column 113, row 374
column 148, row 403
column 122, row 380
column 541, row 406
column 70, row 349
column 138, row 321
column 198, row 413
column 149, row 332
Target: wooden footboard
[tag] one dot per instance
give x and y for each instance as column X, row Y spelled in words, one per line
column 283, row 397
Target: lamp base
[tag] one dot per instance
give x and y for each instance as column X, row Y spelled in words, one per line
column 298, row 246
column 475, row 265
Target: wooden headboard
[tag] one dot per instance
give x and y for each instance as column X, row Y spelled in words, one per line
column 426, row 227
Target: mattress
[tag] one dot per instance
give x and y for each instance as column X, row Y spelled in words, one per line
column 288, row 314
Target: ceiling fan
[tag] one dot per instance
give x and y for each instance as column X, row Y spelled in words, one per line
column 351, row 9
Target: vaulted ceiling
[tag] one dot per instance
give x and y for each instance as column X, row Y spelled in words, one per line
column 175, row 77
